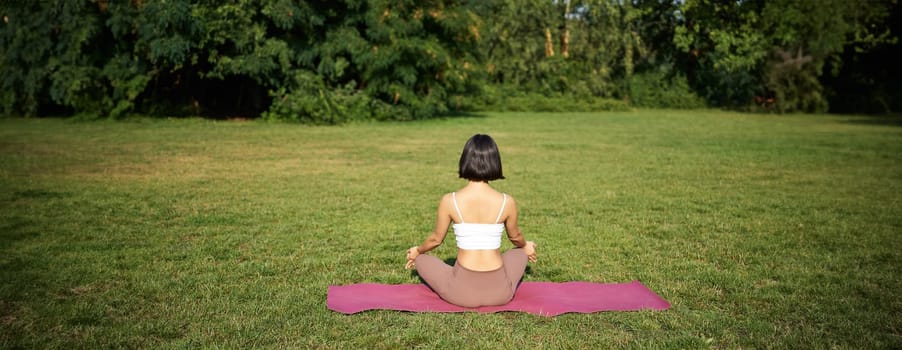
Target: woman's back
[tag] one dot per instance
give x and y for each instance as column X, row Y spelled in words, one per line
column 478, row 204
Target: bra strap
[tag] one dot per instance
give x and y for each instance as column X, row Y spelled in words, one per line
column 454, row 199
column 503, row 203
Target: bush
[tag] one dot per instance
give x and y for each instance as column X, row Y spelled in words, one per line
column 372, row 59
column 794, row 83
column 311, row 101
column 660, row 88
column 500, row 98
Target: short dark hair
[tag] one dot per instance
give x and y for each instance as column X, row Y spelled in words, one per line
column 480, row 159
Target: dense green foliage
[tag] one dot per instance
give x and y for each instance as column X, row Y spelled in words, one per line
column 406, row 60
column 337, row 61
column 763, row 232
column 687, row 53
column 778, row 48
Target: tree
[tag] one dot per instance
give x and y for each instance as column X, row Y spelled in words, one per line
column 595, row 45
column 776, row 49
column 806, row 35
column 51, row 56
column 868, row 80
column 407, row 59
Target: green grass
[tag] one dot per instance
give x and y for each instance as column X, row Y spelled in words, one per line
column 762, row 231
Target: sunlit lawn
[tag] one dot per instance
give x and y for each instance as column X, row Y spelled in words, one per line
column 763, row 231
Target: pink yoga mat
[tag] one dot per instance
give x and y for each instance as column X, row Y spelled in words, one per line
column 539, row 298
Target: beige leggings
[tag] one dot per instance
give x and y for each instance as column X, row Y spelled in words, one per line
column 468, row 288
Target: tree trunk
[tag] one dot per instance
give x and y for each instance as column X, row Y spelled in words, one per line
column 565, row 42
column 565, row 32
column 549, row 46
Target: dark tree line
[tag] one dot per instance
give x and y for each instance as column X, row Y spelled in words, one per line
column 335, row 61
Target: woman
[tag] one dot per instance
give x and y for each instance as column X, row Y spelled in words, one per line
column 481, row 276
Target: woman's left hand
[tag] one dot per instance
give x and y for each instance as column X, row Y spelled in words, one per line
column 530, row 250
column 412, row 254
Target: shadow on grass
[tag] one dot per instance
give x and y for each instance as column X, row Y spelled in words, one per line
column 884, row 120
column 462, row 115
column 20, row 227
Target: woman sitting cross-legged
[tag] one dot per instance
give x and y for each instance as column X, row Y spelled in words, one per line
column 481, row 275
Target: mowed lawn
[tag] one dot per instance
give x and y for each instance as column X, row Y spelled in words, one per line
column 763, row 231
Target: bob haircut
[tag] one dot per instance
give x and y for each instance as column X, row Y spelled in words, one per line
column 480, row 159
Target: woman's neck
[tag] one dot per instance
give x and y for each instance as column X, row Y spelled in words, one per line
column 478, row 185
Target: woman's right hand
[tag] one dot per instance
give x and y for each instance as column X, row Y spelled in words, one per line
column 412, row 254
column 530, row 250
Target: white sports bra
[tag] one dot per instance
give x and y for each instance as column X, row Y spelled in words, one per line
column 478, row 236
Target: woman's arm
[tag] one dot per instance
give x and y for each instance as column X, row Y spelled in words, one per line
column 442, row 221
column 510, row 223
column 515, row 235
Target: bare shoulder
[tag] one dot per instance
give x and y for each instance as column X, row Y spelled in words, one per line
column 510, row 199
column 510, row 212
column 446, row 201
column 511, row 207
